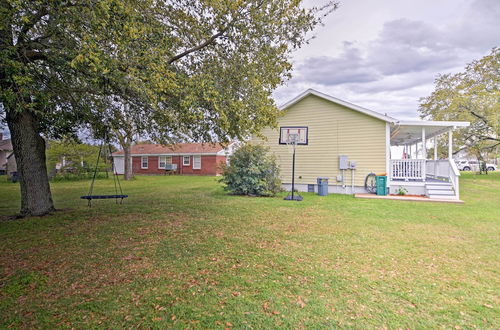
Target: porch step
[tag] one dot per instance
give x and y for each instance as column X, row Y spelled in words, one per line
column 447, row 197
column 440, row 190
column 438, row 186
column 433, row 182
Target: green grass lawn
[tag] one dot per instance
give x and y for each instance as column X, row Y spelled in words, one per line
column 181, row 253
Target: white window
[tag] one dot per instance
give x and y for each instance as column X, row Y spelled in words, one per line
column 168, row 159
column 196, row 162
column 186, row 160
column 162, row 160
column 144, row 162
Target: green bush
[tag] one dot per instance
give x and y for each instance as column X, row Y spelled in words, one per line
column 252, row 171
column 80, row 174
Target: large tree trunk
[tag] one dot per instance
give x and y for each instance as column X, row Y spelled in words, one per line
column 29, row 150
column 128, row 163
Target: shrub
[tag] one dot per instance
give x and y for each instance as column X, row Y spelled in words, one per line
column 252, row 171
column 401, row 191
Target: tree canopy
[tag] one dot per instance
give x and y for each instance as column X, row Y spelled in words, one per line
column 472, row 95
column 194, row 69
column 191, row 69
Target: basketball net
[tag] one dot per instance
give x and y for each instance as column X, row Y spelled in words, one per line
column 291, row 141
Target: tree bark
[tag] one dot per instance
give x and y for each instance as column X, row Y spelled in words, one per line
column 29, row 150
column 128, row 163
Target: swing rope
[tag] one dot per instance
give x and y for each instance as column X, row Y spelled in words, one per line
column 116, row 181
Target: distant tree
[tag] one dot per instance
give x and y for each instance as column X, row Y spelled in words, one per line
column 71, row 153
column 472, row 95
column 203, row 69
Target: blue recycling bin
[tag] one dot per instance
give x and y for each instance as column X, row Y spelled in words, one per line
column 322, row 186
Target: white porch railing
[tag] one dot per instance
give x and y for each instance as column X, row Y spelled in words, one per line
column 407, row 169
column 438, row 169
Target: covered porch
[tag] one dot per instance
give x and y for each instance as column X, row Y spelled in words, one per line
column 414, row 170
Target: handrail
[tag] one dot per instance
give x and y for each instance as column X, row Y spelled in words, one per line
column 454, row 174
column 454, row 167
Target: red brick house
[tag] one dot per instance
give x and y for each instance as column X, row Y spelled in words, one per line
column 5, row 152
column 190, row 158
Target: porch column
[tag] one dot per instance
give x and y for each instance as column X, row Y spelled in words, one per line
column 435, row 156
column 450, row 146
column 435, row 148
column 388, row 151
column 424, row 147
column 424, row 154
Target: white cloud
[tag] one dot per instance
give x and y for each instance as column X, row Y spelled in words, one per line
column 391, row 69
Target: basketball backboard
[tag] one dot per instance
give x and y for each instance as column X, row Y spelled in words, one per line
column 299, row 131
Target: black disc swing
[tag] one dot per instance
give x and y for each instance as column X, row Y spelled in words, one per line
column 117, row 196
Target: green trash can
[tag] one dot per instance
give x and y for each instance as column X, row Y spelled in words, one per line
column 381, row 185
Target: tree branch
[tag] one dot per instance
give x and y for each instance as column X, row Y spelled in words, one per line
column 32, row 22
column 200, row 46
column 479, row 116
column 490, row 138
column 31, row 55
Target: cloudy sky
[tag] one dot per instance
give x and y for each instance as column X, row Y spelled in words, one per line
column 385, row 54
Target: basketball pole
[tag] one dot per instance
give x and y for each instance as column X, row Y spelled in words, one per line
column 292, row 197
column 292, row 141
column 293, row 172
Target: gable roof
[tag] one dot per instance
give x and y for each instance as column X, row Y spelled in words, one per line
column 346, row 104
column 179, row 148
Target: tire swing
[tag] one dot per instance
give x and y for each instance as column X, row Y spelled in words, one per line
column 117, row 196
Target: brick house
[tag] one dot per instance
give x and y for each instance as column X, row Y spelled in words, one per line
column 5, row 152
column 190, row 158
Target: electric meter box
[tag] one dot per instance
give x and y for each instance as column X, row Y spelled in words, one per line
column 343, row 162
column 352, row 165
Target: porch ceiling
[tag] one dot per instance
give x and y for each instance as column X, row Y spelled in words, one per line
column 409, row 132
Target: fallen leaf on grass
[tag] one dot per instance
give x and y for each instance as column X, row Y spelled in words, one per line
column 131, row 258
column 300, row 302
column 236, row 293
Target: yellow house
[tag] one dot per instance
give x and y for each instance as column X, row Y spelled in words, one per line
column 345, row 142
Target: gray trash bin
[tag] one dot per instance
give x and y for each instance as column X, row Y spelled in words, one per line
column 322, row 186
column 14, row 177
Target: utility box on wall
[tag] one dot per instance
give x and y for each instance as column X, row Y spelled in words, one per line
column 343, row 162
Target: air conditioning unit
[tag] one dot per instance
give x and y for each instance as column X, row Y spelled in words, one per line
column 171, row 167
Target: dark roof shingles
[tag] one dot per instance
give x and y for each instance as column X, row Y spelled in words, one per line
column 180, row 148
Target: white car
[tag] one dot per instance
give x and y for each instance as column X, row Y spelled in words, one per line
column 473, row 165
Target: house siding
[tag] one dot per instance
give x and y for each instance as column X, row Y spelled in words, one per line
column 210, row 165
column 333, row 130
